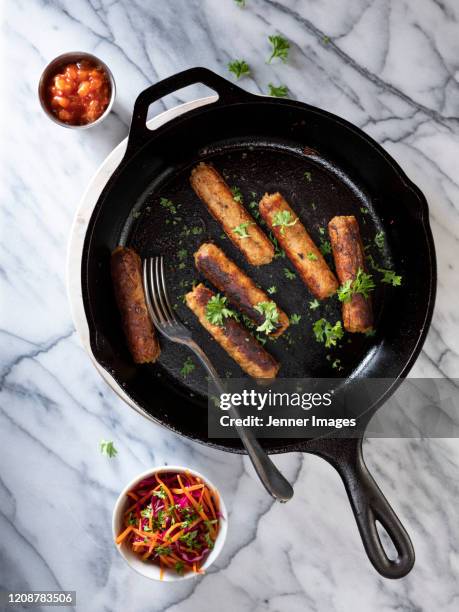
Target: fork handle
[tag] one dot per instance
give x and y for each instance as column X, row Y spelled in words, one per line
column 274, row 482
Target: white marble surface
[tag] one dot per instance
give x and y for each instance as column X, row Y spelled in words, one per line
column 391, row 67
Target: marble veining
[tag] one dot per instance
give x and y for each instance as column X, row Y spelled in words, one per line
column 389, row 66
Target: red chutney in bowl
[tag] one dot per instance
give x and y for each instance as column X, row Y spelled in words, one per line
column 172, row 519
column 79, row 93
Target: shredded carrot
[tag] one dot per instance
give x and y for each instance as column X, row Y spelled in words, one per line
column 191, row 488
column 133, row 495
column 193, row 502
column 123, row 535
column 161, row 570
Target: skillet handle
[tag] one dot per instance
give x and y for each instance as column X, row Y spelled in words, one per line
column 369, row 505
column 227, row 93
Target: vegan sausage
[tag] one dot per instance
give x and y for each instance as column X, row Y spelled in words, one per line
column 238, row 224
column 137, row 326
column 233, row 337
column 240, row 289
column 298, row 245
column 349, row 257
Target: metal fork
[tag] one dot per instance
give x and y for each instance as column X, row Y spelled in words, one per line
column 168, row 325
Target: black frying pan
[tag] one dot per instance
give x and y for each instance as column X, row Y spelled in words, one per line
column 264, row 144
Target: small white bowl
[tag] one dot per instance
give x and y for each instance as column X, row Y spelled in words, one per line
column 149, row 569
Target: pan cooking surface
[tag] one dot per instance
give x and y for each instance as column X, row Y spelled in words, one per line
column 317, row 191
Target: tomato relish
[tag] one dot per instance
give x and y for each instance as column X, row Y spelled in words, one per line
column 79, row 93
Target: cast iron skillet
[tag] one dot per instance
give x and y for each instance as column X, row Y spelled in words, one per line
column 325, row 166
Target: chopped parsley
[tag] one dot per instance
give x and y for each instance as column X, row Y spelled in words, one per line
column 240, row 3
column 272, row 290
column 163, row 550
column 209, row 541
column 380, row 240
column 325, row 247
column 363, row 284
column 336, row 365
column 390, row 277
column 182, row 253
column 161, row 493
column 328, row 333
column 169, row 205
column 281, row 47
column 364, row 210
column 237, row 195
column 239, row 68
column 188, row 367
column 325, row 40
column 108, row 448
column 271, row 314
column 283, row 219
column 189, row 539
column 289, row 274
column 179, row 567
column 313, row 304
column 217, row 310
column 280, row 91
column 295, row 319
column 308, row 177
column 312, row 256
column 241, row 229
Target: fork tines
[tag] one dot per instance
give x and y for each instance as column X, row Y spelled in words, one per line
column 156, row 297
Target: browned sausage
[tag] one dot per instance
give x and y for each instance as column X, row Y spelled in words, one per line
column 349, row 256
column 235, row 284
column 212, row 189
column 299, row 247
column 233, row 337
column 138, row 328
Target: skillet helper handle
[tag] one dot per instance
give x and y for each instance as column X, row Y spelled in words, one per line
column 369, row 505
column 227, row 93
column 272, row 479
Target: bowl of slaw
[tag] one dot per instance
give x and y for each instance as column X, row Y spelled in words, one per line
column 170, row 523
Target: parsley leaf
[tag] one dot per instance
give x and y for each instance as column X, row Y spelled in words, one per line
column 280, row 91
column 169, row 205
column 188, row 367
column 272, row 290
column 240, row 3
column 312, row 256
column 380, row 240
column 179, row 567
column 108, row 448
column 161, row 493
column 237, row 195
column 289, row 274
column 295, row 319
column 209, row 541
column 241, row 230
column 271, row 314
column 240, row 68
column 390, row 277
column 283, row 219
column 325, row 331
column 363, row 284
column 308, row 177
column 325, row 247
column 163, row 550
column 281, row 47
column 182, row 253
column 190, row 539
column 314, row 304
column 217, row 310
